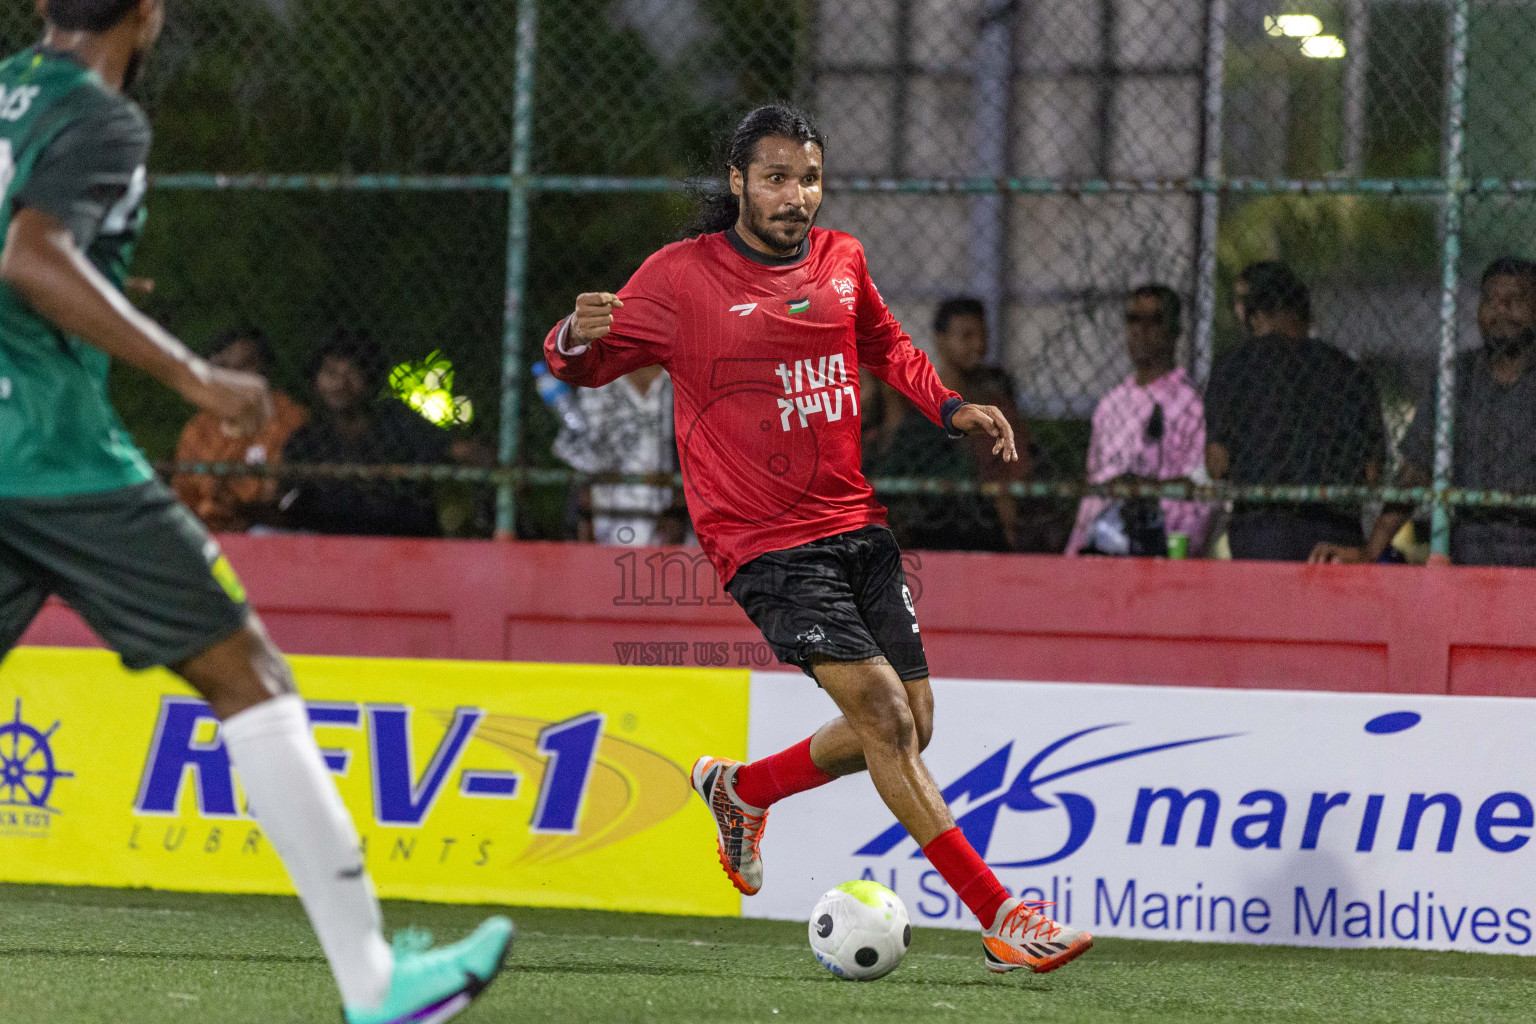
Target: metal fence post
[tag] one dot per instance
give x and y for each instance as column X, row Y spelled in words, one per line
column 1357, row 39
column 517, row 258
column 1210, row 200
column 1450, row 255
column 992, row 97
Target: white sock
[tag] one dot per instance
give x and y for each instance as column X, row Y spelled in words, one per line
column 296, row 803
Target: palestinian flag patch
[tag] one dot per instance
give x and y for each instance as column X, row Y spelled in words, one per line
column 799, row 305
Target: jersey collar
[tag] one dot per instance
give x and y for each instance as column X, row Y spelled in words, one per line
column 798, row 256
column 55, row 54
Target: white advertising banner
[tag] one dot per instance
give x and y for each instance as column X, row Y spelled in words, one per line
column 1316, row 819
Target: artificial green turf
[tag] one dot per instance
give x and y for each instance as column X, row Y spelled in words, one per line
column 98, row 956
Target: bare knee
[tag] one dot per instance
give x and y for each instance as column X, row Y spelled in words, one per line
column 920, row 700
column 884, row 722
column 240, row 671
column 922, row 720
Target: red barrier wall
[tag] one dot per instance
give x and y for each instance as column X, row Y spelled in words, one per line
column 1371, row 628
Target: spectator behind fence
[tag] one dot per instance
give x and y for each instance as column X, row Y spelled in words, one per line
column 234, row 503
column 1494, row 423
column 1244, row 282
column 626, row 427
column 914, row 447
column 1284, row 409
column 354, row 425
column 1150, row 427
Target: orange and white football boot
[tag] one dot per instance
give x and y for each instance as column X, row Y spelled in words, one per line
column 1021, row 936
column 738, row 825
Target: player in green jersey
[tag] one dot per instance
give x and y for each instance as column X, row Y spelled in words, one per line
column 82, row 516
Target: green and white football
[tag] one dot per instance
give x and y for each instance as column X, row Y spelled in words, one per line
column 860, row 931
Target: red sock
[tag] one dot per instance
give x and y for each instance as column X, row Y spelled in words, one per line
column 764, row 783
column 952, row 856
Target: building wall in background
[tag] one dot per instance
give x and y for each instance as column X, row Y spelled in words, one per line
column 1072, row 91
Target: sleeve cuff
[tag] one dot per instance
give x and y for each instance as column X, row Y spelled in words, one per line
column 947, row 416
column 560, row 340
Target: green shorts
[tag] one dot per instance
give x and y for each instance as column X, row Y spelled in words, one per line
column 135, row 563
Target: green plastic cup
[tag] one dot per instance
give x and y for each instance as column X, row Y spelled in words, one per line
column 1178, row 545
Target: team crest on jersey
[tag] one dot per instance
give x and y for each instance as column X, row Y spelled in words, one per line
column 847, row 291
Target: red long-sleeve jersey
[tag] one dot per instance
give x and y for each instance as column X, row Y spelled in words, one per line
column 764, row 357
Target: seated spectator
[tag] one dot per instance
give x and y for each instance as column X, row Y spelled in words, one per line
column 880, row 414
column 1244, row 282
column 1285, row 409
column 627, row 429
column 901, row 442
column 233, row 504
column 1491, row 435
column 355, row 426
column 929, row 522
column 960, row 339
column 915, row 447
column 1150, row 427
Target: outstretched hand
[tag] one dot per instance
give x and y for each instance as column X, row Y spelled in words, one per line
column 594, row 316
column 242, row 401
column 989, row 418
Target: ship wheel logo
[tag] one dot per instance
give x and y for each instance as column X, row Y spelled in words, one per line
column 27, row 768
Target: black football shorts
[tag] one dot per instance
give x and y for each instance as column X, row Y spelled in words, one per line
column 135, row 563
column 843, row 598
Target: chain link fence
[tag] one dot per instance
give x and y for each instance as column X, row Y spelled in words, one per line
column 446, row 177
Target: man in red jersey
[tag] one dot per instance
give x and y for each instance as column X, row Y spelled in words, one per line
column 763, row 322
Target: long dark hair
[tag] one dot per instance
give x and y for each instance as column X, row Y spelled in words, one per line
column 718, row 206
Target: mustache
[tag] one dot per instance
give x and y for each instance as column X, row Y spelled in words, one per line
column 1513, row 341
column 796, row 217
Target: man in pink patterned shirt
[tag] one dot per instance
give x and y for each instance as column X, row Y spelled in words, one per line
column 1152, row 425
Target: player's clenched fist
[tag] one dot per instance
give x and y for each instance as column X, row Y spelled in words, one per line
column 594, row 315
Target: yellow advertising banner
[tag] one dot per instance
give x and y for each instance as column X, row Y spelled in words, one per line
column 547, row 785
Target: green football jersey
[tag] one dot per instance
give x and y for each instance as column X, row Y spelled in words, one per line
column 74, row 149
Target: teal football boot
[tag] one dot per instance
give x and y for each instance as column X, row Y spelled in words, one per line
column 431, row 985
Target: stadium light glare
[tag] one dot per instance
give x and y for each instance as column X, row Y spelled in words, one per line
column 427, row 387
column 437, row 407
column 1295, row 26
column 1323, row 47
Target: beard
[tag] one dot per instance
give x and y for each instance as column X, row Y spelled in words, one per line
column 1508, row 346
column 782, row 233
column 135, row 69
